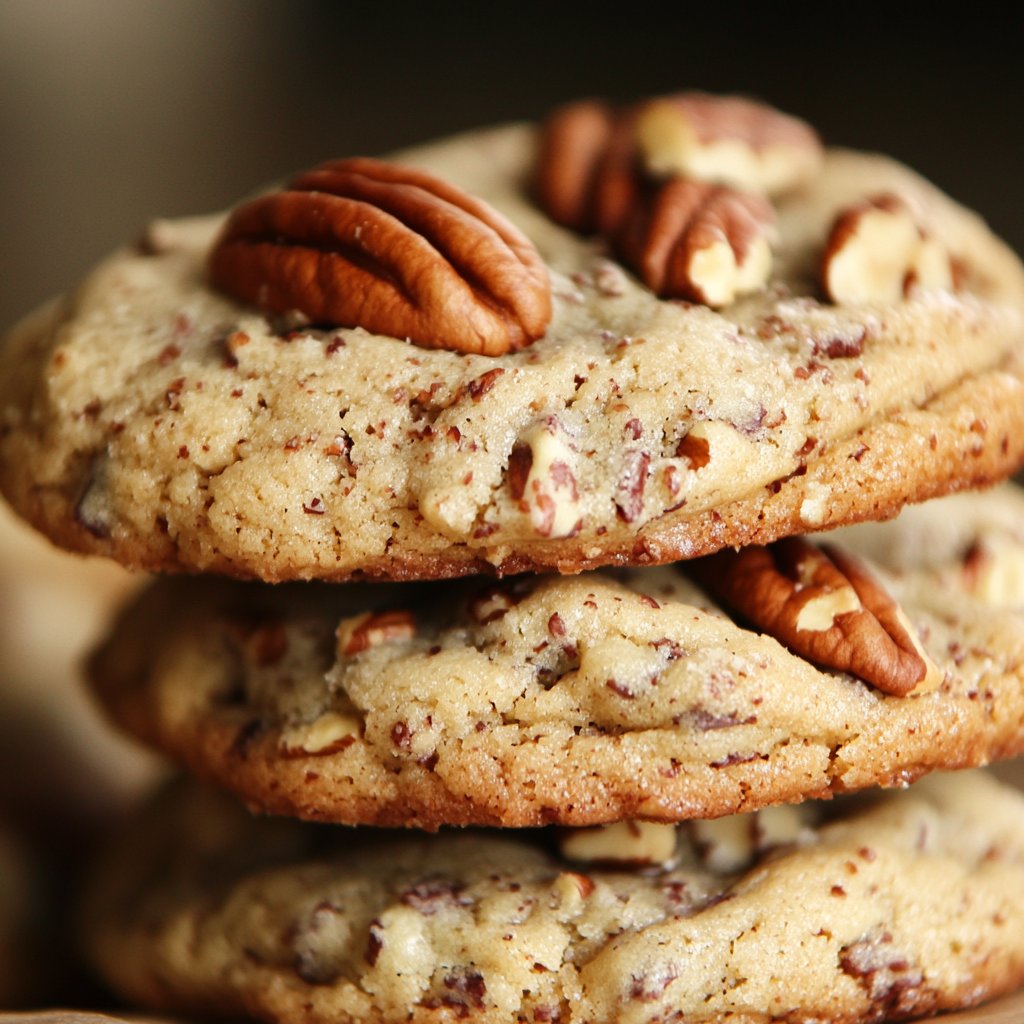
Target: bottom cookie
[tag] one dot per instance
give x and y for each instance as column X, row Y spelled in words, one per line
column 867, row 909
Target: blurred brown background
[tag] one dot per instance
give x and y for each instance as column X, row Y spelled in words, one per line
column 112, row 111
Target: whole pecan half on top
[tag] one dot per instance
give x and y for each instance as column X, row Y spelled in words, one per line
column 706, row 243
column 824, row 605
column 365, row 243
column 588, row 174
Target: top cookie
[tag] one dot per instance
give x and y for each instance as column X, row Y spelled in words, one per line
column 154, row 418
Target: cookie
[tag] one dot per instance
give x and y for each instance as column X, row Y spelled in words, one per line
column 157, row 419
column 891, row 907
column 626, row 693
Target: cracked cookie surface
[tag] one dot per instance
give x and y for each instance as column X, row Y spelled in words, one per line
column 567, row 699
column 886, row 907
column 149, row 418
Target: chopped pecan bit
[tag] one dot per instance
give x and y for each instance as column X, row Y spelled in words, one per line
column 841, row 347
column 520, row 460
column 701, row 242
column 401, row 735
column 580, row 885
column 651, row 985
column 877, row 252
column 695, row 448
column 629, row 495
column 729, row 140
column 466, row 987
column 434, row 893
column 993, row 571
column 92, row 511
column 708, row 721
column 373, row 629
column 329, row 733
column 479, row 386
column 313, row 963
column 625, row 842
column 781, row 825
column 542, row 479
column 490, row 606
column 364, row 243
column 887, row 976
column 268, row 643
column 725, row 844
column 374, row 943
column 824, row 605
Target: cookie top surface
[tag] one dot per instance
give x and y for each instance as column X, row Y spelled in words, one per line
column 612, row 694
column 889, row 908
column 153, row 418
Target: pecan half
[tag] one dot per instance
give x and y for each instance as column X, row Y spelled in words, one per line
column 701, row 242
column 729, row 140
column 364, row 243
column 588, row 175
column 876, row 252
column 824, row 605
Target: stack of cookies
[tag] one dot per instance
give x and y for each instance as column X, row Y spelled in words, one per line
column 528, row 428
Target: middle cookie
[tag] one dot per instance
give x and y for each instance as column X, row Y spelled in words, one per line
column 593, row 698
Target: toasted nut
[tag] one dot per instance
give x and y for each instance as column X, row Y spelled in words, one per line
column 625, row 842
column 372, row 629
column 330, row 732
column 700, row 242
column 588, row 176
column 727, row 140
column 824, row 605
column 542, row 479
column 570, row 890
column 780, row 826
column 725, row 844
column 993, row 572
column 573, row 142
column 363, row 243
column 876, row 252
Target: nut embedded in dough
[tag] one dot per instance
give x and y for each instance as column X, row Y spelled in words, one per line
column 877, row 252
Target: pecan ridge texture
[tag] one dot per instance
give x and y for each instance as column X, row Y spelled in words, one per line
column 365, row 243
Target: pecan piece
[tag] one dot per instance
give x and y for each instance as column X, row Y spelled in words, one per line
column 625, row 842
column 371, row 629
column 877, row 252
column 364, row 243
column 824, row 605
column 701, row 242
column 728, row 140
